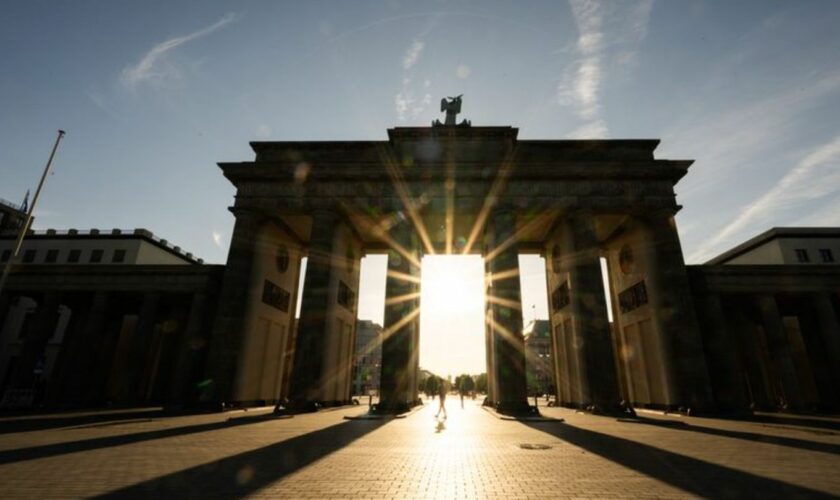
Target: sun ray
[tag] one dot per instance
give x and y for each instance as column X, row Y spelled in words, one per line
column 405, row 197
column 403, row 277
column 491, row 278
column 386, row 333
column 497, row 327
column 489, row 201
column 492, row 299
column 401, row 298
column 378, row 230
column 501, row 247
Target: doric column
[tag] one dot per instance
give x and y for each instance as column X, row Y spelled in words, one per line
column 505, row 302
column 193, row 343
column 231, row 322
column 314, row 313
column 81, row 353
column 780, row 354
column 35, row 341
column 726, row 373
column 829, row 327
column 398, row 389
column 136, row 360
column 5, row 304
column 674, row 315
column 595, row 357
column 70, row 351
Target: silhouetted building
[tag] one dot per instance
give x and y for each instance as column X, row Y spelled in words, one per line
column 95, row 317
column 786, row 246
column 539, row 365
column 368, row 358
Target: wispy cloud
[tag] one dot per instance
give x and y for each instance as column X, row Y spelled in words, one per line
column 580, row 86
column 815, row 177
column 409, row 103
column 149, row 69
column 217, row 238
column 412, row 54
column 263, row 132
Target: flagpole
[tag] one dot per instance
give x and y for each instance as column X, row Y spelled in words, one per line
column 31, row 209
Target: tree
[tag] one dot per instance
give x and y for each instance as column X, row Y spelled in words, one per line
column 481, row 382
column 432, row 385
column 465, row 383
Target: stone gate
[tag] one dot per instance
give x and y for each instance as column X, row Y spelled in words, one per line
column 458, row 190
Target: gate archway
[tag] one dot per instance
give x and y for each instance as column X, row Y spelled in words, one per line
column 572, row 201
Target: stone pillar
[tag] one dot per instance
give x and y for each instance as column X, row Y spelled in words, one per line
column 777, row 342
column 675, row 317
column 314, row 313
column 582, row 258
column 70, row 351
column 35, row 341
column 397, row 386
column 136, row 362
column 508, row 371
column 193, row 344
column 5, row 304
column 829, row 327
column 726, row 372
column 230, row 325
column 83, row 354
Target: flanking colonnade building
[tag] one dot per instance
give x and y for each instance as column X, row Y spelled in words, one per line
column 710, row 338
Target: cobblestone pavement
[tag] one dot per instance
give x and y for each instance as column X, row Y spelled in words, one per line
column 472, row 454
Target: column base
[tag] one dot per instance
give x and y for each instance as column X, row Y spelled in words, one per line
column 393, row 408
column 620, row 409
column 513, row 408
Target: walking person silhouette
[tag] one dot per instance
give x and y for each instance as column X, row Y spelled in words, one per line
column 442, row 394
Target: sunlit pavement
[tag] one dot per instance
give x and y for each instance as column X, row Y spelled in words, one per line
column 472, row 455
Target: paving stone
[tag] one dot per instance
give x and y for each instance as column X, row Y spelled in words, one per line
column 472, row 455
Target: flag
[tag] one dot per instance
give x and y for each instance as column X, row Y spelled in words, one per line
column 24, row 207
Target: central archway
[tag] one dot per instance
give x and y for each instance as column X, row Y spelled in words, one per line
column 452, row 326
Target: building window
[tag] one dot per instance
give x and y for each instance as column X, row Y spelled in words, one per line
column 826, row 255
column 96, row 255
column 802, row 255
column 7, row 254
column 29, row 256
column 119, row 256
column 74, row 256
column 52, row 256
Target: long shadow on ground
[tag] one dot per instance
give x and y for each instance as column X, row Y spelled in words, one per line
column 691, row 475
column 239, row 475
column 802, row 444
column 54, row 421
column 795, row 421
column 49, row 450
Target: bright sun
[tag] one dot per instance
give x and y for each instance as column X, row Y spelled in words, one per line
column 452, row 315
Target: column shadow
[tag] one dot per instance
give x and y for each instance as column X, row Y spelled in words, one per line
column 244, row 473
column 801, row 444
column 795, row 421
column 55, row 421
column 691, row 475
column 50, row 450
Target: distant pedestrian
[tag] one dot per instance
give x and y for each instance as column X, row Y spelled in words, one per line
column 442, row 394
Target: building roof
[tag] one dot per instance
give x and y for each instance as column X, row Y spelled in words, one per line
column 109, row 234
column 774, row 233
column 537, row 329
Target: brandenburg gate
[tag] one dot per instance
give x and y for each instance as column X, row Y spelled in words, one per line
column 455, row 189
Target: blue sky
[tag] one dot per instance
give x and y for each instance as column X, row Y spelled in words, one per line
column 153, row 94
